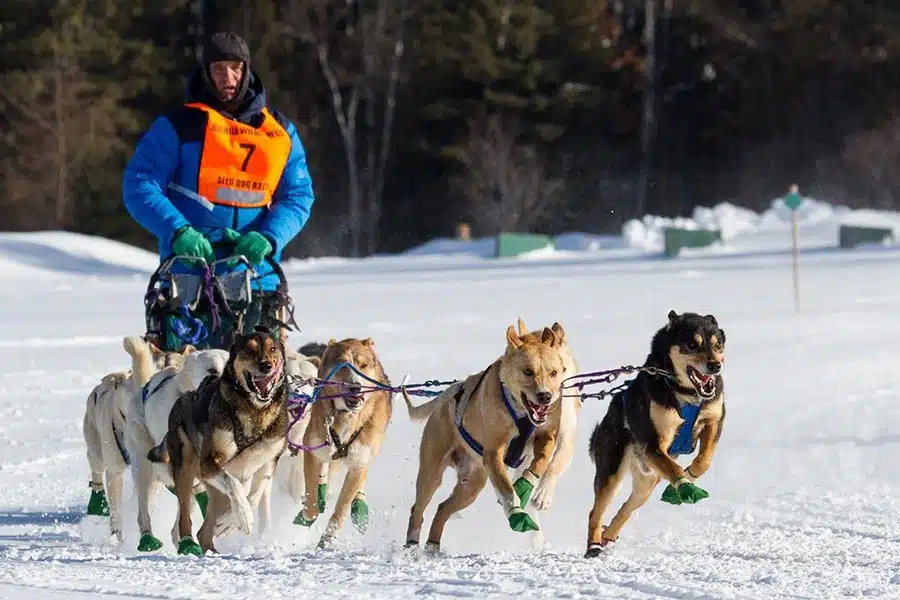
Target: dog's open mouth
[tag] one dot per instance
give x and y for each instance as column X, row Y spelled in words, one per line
column 353, row 402
column 537, row 413
column 704, row 384
column 263, row 385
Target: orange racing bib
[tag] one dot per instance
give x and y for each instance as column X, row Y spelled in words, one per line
column 241, row 165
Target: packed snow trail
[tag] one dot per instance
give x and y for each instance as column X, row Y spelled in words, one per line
column 802, row 489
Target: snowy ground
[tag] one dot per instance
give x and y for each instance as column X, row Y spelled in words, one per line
column 802, row 491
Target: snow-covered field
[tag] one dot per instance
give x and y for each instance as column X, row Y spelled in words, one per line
column 802, row 491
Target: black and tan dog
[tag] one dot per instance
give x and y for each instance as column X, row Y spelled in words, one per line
column 229, row 434
column 657, row 417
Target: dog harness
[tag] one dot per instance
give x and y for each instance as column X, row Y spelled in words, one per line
column 683, row 443
column 145, row 391
column 516, row 449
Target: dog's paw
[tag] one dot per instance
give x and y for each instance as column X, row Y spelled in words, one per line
column 691, row 494
column 243, row 515
column 359, row 514
column 187, row 545
column 521, row 521
column 303, row 521
column 149, row 543
column 670, row 495
column 543, row 495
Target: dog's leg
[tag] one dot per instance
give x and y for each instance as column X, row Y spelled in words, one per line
column 260, row 494
column 433, row 459
column 470, row 480
column 562, row 457
column 606, row 484
column 643, row 485
column 147, row 486
column 115, row 482
column 518, row 519
column 216, row 511
column 353, row 482
column 97, row 505
column 184, row 489
column 709, row 439
column 310, row 510
column 544, row 445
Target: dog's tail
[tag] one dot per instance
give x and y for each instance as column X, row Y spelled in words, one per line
column 142, row 367
column 159, row 453
column 424, row 411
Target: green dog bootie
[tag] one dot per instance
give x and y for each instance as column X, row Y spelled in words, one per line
column 148, row 543
column 521, row 521
column 359, row 512
column 321, row 496
column 202, row 499
column 524, row 485
column 685, row 492
column 303, row 521
column 187, row 545
column 97, row 505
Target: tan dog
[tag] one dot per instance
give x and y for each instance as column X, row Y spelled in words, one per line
column 103, row 428
column 484, row 425
column 228, row 434
column 565, row 441
column 350, row 430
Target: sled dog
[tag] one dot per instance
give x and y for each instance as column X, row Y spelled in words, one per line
column 657, row 418
column 103, row 428
column 348, row 432
column 484, row 425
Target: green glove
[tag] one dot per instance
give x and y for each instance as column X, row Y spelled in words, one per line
column 254, row 246
column 230, row 235
column 190, row 242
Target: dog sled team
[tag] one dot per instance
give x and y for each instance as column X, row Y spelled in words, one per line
column 211, row 425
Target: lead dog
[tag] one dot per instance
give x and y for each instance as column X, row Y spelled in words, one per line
column 482, row 426
column 657, row 418
column 229, row 434
column 103, row 428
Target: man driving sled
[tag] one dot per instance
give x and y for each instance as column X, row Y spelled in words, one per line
column 221, row 176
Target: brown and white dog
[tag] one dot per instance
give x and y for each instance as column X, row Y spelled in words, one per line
column 348, row 431
column 229, row 434
column 484, row 425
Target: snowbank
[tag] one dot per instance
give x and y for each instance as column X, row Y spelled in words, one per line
column 743, row 231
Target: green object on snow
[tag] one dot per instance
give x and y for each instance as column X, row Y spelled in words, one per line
column 97, row 505
column 149, row 543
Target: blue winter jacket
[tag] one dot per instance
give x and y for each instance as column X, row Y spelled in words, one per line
column 169, row 152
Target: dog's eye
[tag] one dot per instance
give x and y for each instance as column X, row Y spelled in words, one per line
column 693, row 346
column 718, row 346
column 363, row 365
column 554, row 373
column 528, row 373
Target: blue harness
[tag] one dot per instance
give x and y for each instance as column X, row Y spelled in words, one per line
column 515, row 451
column 145, row 391
column 684, row 439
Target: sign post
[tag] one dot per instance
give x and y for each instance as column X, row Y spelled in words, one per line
column 793, row 202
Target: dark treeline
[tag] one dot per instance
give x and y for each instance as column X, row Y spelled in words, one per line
column 543, row 115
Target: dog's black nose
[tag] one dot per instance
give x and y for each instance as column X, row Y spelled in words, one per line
column 266, row 366
column 714, row 366
column 544, row 397
column 353, row 388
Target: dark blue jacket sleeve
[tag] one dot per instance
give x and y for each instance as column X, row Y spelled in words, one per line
column 147, row 178
column 293, row 198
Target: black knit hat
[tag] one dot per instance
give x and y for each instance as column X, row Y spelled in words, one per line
column 226, row 46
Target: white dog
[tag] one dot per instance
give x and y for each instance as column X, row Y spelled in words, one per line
column 104, row 429
column 148, row 422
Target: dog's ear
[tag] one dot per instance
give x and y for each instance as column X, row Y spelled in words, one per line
column 673, row 319
column 722, row 336
column 188, row 349
column 712, row 319
column 559, row 331
column 523, row 331
column 369, row 343
column 331, row 342
column 513, row 338
column 154, row 349
column 548, row 337
column 315, row 360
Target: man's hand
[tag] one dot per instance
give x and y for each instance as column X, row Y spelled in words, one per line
column 254, row 246
column 190, row 242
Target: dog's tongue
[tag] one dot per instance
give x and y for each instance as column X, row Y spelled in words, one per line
column 264, row 383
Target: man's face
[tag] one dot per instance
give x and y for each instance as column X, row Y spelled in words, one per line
column 226, row 74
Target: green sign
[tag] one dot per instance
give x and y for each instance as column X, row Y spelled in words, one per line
column 793, row 200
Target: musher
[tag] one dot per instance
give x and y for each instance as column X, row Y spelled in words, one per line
column 220, row 176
